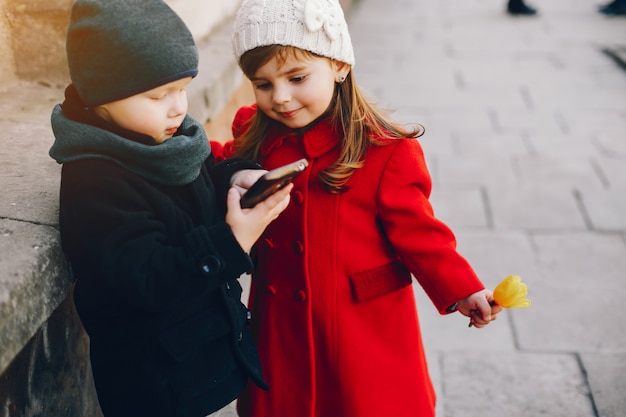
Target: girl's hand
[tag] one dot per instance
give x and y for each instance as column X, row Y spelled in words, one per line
column 242, row 180
column 248, row 224
column 478, row 307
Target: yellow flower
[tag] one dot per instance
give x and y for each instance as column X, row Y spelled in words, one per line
column 511, row 293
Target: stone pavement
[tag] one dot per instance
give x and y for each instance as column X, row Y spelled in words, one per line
column 526, row 141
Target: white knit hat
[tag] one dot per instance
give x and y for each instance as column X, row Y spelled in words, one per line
column 317, row 26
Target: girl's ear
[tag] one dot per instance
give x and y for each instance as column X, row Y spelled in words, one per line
column 341, row 71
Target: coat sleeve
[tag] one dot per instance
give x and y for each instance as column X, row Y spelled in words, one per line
column 424, row 244
column 222, row 151
column 221, row 174
column 123, row 238
column 242, row 118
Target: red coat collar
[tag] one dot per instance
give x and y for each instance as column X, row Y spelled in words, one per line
column 316, row 141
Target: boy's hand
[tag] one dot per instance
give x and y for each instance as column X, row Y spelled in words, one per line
column 479, row 309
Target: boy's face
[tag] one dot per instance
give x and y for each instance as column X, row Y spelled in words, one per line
column 297, row 91
column 157, row 113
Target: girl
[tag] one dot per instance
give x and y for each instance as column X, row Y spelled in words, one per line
column 333, row 309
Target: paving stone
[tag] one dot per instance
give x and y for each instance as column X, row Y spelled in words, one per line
column 536, row 206
column 514, row 384
column 580, row 285
column 463, row 123
column 491, row 144
column 569, row 318
column 606, row 374
column 562, row 145
column 570, row 171
column 537, row 71
column 450, row 333
column 589, row 122
column 617, row 53
column 553, row 98
column 434, row 369
column 460, row 207
column 612, row 142
column 511, row 99
column 494, row 255
column 436, row 141
column 476, row 170
column 372, row 74
column 532, row 122
column 411, row 115
column 606, row 208
column 614, row 170
column 607, row 78
column 589, row 260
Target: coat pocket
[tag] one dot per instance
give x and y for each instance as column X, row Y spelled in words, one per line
column 376, row 282
column 201, row 369
column 194, row 334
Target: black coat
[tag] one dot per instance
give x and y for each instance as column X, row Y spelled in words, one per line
column 157, row 291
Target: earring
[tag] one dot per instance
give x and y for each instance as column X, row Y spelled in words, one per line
column 341, row 79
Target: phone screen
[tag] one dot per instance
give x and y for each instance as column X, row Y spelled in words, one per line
column 271, row 182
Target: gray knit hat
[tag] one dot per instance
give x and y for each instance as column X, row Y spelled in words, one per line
column 317, row 26
column 119, row 48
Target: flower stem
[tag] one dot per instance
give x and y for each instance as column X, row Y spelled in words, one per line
column 491, row 303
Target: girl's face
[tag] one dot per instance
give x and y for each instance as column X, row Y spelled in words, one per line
column 157, row 113
column 297, row 92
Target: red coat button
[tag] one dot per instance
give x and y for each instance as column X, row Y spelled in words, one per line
column 297, row 197
column 298, row 247
column 268, row 242
column 299, row 295
column 271, row 289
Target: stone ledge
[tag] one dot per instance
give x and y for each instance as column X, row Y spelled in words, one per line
column 34, row 275
column 34, row 279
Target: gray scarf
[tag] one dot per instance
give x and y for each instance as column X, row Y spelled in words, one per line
column 177, row 161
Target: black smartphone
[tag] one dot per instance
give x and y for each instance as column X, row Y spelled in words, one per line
column 271, row 182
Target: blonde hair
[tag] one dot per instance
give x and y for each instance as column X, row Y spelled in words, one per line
column 361, row 122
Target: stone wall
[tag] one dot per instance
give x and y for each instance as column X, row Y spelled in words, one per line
column 51, row 375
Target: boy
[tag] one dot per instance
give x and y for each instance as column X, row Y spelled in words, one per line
column 156, row 261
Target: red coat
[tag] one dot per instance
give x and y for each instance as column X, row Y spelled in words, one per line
column 333, row 311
